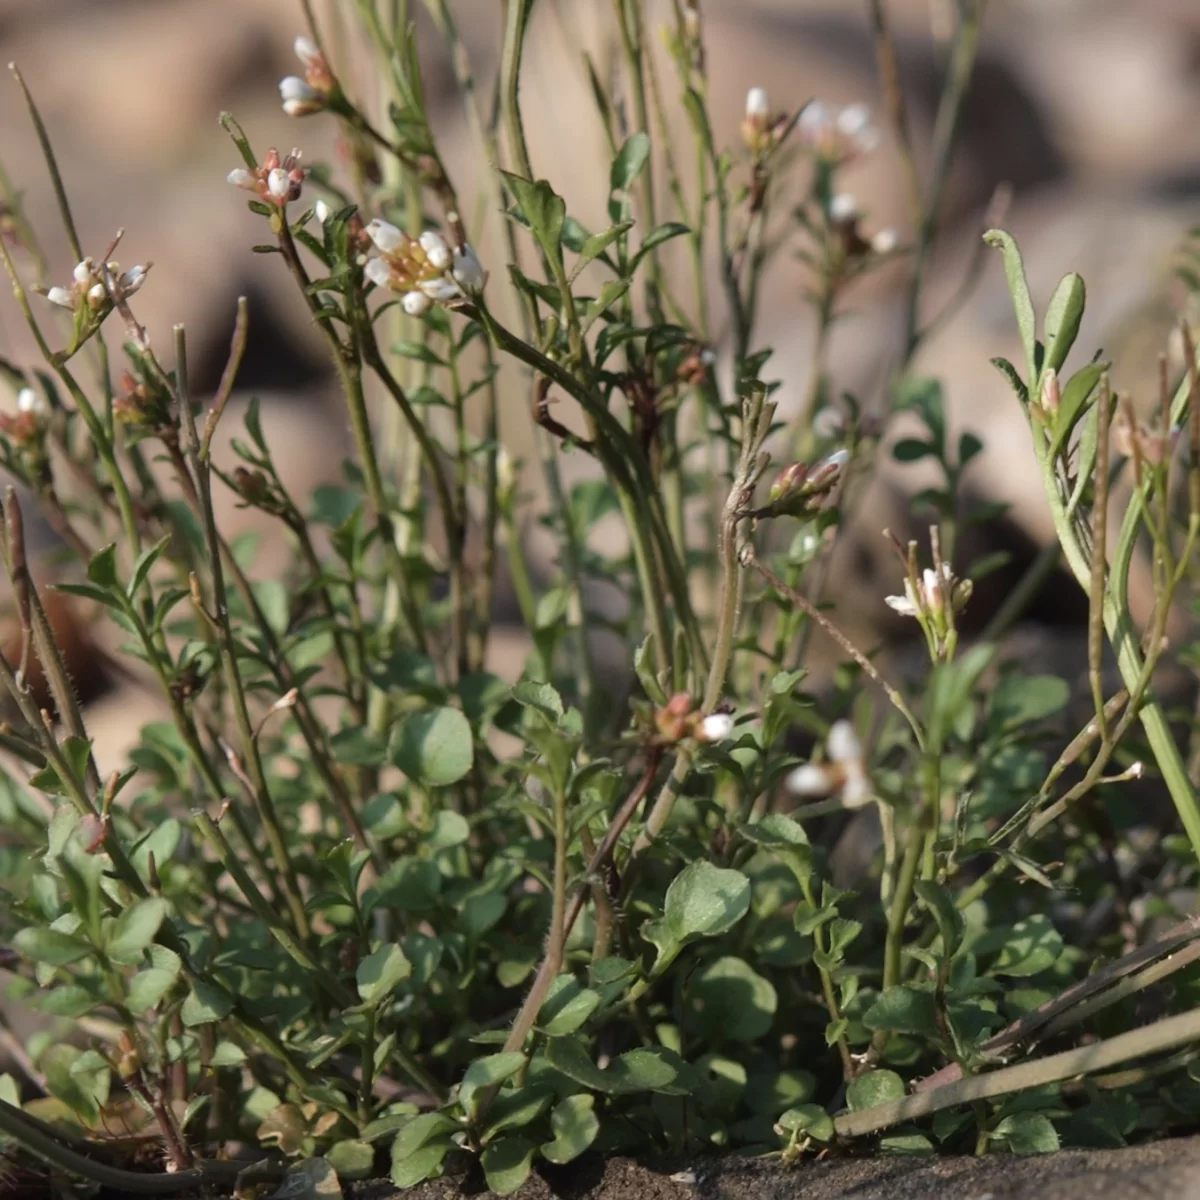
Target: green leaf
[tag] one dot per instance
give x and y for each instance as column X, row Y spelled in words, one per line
column 903, row 1010
column 1063, row 315
column 380, row 972
column 567, row 1007
column 908, row 450
column 425, row 1163
column 949, row 919
column 541, row 697
column 610, row 293
column 1073, row 404
column 630, row 161
column 102, row 570
column 874, row 1087
column 575, row 1125
column 811, row 1120
column 419, row 352
column 1018, row 700
column 358, row 747
column 1018, row 286
column 50, row 946
column 1027, row 1133
column 1014, row 379
column 434, row 746
column 227, row 1054
column 634, row 1071
column 655, row 238
column 728, row 999
column 206, row 1002
column 351, row 1159
column 506, row 1164
column 595, row 245
column 135, row 929
column 486, row 1072
column 1032, row 946
column 145, row 562
column 545, row 211
column 704, row 901
column 417, row 1131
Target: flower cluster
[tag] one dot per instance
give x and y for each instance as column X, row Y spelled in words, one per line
column 837, row 135
column 933, row 598
column 314, row 92
column 762, row 129
column 844, row 773
column 799, row 490
column 275, row 181
column 25, row 425
column 678, row 719
column 87, row 289
column 845, row 218
column 423, row 270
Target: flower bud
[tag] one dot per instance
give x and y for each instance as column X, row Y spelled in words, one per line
column 1051, row 393
column 436, row 250
column 843, row 209
column 378, row 272
column 758, row 105
column 884, row 242
column 299, row 98
column 61, row 297
column 416, row 304
column 242, row 178
column 279, row 185
column 792, row 477
column 307, row 52
column 28, row 401
column 322, row 211
column 468, row 270
column 716, row 727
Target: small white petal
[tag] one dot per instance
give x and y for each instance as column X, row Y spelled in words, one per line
column 416, row 304
column 378, row 272
column 758, row 104
column 133, row 279
column 814, row 119
column 97, row 294
column 28, row 401
column 835, row 461
column 716, row 727
column 809, row 780
column 293, row 88
column 61, row 297
column 1137, row 770
column 322, row 211
column 843, row 745
column 436, row 249
column 884, row 242
column 385, row 235
column 843, row 207
column 468, row 270
column 306, row 51
column 442, row 288
column 854, row 120
column 242, row 178
column 856, row 791
column 902, row 604
column 83, row 272
column 278, row 183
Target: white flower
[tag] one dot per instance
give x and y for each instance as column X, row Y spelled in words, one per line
column 758, row 104
column 28, row 401
column 809, row 780
column 242, row 178
column 385, row 236
column 905, row 605
column 299, row 98
column 716, row 727
column 843, row 207
column 842, row 743
column 814, row 119
column 278, row 184
column 61, row 297
column 97, row 294
column 307, row 52
column 436, row 250
column 416, row 304
column 133, row 279
column 378, row 272
column 82, row 274
column 322, row 211
column 854, row 120
column 884, row 242
column 468, row 270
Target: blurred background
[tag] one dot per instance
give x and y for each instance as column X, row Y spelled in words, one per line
column 1086, row 108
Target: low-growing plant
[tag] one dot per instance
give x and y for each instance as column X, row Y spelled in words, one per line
column 359, row 903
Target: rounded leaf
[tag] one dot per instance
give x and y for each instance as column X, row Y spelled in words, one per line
column 434, row 746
